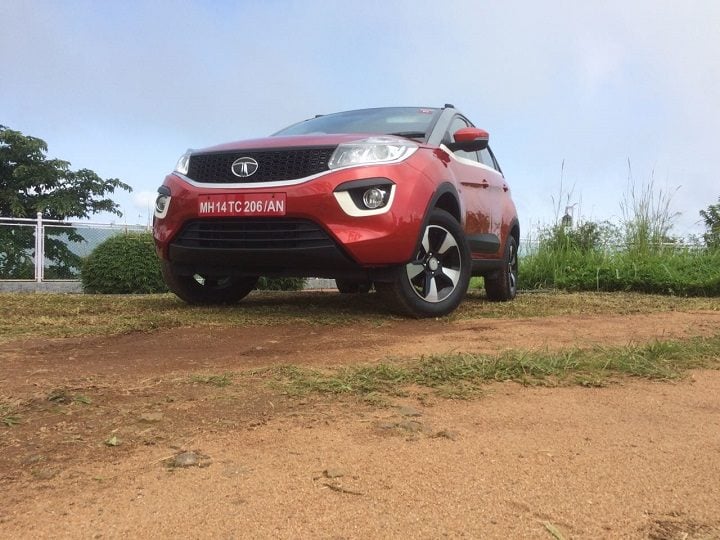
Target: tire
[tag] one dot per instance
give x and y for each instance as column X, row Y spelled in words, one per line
column 346, row 286
column 206, row 290
column 435, row 282
column 502, row 286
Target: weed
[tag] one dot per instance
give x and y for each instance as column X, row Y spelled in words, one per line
column 10, row 420
column 112, row 441
column 59, row 395
column 553, row 531
column 376, row 400
column 9, row 413
column 213, row 380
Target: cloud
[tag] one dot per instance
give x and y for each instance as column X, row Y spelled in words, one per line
column 124, row 88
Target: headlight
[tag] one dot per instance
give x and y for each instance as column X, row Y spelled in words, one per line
column 183, row 163
column 371, row 150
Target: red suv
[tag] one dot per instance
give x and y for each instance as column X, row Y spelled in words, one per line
column 408, row 199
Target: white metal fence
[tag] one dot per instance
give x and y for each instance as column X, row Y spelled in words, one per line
column 41, row 250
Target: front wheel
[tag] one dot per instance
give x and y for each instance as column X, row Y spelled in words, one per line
column 436, row 280
column 502, row 286
column 208, row 290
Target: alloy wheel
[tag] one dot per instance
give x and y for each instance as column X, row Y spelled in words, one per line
column 513, row 269
column 435, row 272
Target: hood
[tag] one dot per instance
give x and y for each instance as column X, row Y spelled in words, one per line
column 297, row 141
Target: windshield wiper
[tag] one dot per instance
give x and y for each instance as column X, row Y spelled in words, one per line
column 409, row 134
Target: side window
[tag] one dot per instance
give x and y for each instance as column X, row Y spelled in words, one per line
column 458, row 123
column 493, row 160
column 486, row 158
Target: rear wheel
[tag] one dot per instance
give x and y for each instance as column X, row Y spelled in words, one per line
column 502, row 286
column 436, row 280
column 347, row 286
column 208, row 290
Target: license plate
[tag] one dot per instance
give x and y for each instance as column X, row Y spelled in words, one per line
column 242, row 204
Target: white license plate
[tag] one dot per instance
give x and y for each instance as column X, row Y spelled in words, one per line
column 242, row 204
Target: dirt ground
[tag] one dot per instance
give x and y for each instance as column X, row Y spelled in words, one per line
column 131, row 436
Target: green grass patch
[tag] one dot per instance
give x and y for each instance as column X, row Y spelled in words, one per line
column 463, row 374
column 672, row 272
column 76, row 315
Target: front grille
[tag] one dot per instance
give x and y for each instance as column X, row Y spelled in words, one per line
column 253, row 234
column 273, row 165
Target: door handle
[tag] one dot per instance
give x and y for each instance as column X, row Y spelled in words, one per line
column 484, row 184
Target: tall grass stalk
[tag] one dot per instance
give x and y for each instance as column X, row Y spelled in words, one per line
column 647, row 216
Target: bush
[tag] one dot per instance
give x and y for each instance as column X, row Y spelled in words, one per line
column 568, row 257
column 123, row 264
column 586, row 237
column 281, row 284
column 673, row 271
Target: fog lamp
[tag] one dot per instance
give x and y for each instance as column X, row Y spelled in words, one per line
column 161, row 203
column 374, row 198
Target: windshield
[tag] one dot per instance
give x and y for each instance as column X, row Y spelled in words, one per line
column 413, row 122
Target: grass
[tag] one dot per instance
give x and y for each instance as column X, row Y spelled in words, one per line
column 672, row 272
column 451, row 375
column 637, row 254
column 553, row 531
column 463, row 374
column 213, row 380
column 10, row 420
column 9, row 416
column 24, row 316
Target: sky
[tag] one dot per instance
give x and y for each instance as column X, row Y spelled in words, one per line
column 578, row 97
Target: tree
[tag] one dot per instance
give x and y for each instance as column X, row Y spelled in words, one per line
column 711, row 217
column 31, row 183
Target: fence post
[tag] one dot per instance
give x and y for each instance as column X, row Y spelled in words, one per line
column 39, row 249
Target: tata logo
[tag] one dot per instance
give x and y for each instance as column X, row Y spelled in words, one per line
column 244, row 167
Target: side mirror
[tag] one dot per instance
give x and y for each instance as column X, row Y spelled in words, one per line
column 470, row 139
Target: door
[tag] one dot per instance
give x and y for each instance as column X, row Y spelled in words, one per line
column 482, row 190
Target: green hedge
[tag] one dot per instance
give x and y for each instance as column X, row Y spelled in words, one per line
column 123, row 264
column 128, row 264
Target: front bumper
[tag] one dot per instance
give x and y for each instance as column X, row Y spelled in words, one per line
column 259, row 246
column 352, row 244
